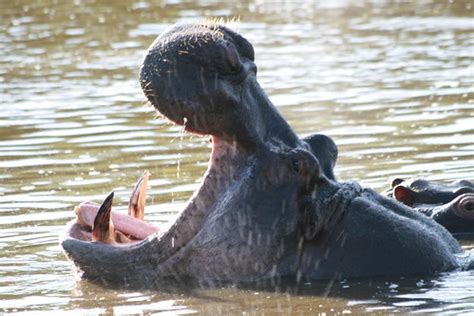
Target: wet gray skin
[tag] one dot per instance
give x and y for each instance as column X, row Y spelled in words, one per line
column 451, row 205
column 266, row 210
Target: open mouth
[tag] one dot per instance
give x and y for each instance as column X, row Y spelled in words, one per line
column 99, row 223
column 120, row 249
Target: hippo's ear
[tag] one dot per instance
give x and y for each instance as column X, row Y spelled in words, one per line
column 404, row 195
column 396, row 181
column 325, row 149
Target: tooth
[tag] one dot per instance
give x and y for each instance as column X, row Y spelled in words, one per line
column 86, row 213
column 136, row 206
column 103, row 229
column 121, row 238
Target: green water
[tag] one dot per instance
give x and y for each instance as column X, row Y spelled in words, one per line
column 391, row 82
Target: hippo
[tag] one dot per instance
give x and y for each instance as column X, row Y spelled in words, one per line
column 269, row 208
column 451, row 205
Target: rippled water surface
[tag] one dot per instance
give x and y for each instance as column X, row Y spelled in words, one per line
column 391, row 82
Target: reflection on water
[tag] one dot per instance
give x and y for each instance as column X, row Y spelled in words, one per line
column 391, row 83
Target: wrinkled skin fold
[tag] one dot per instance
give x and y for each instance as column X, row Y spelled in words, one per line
column 269, row 207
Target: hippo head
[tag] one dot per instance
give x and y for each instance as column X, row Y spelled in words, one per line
column 413, row 192
column 451, row 205
column 258, row 198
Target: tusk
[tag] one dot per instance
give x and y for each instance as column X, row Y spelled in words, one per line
column 136, row 206
column 103, row 229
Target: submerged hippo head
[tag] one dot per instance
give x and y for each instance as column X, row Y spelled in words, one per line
column 420, row 191
column 451, row 205
column 269, row 206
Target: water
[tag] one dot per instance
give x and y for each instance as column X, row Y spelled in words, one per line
column 391, row 82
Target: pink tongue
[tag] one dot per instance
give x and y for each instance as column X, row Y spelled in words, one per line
column 87, row 211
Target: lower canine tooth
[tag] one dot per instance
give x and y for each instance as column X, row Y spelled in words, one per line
column 103, row 229
column 136, row 206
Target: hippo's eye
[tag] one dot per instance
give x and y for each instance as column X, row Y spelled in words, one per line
column 296, row 164
column 464, row 206
column 303, row 162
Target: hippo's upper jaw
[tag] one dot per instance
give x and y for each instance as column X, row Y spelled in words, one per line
column 269, row 205
column 203, row 76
